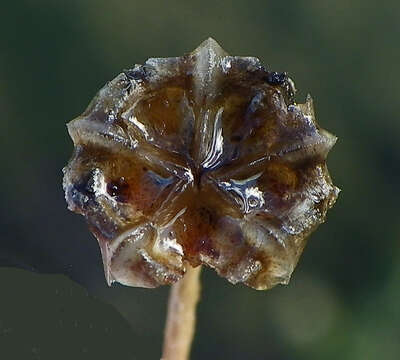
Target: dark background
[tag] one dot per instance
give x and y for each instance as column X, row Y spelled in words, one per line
column 343, row 300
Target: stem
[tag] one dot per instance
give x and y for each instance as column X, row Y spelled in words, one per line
column 181, row 317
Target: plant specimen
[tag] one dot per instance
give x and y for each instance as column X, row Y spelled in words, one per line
column 203, row 159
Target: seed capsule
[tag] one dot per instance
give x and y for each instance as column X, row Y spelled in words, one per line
column 200, row 159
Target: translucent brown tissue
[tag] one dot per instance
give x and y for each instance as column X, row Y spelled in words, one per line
column 199, row 159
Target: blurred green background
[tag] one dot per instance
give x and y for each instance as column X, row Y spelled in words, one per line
column 343, row 300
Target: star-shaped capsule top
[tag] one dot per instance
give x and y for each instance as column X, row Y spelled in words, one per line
column 199, row 159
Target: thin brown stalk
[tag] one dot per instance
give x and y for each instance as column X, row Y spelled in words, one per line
column 181, row 317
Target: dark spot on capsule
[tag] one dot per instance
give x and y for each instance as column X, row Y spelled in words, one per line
column 79, row 196
column 83, row 188
column 119, row 189
column 275, row 78
column 139, row 74
column 144, row 168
